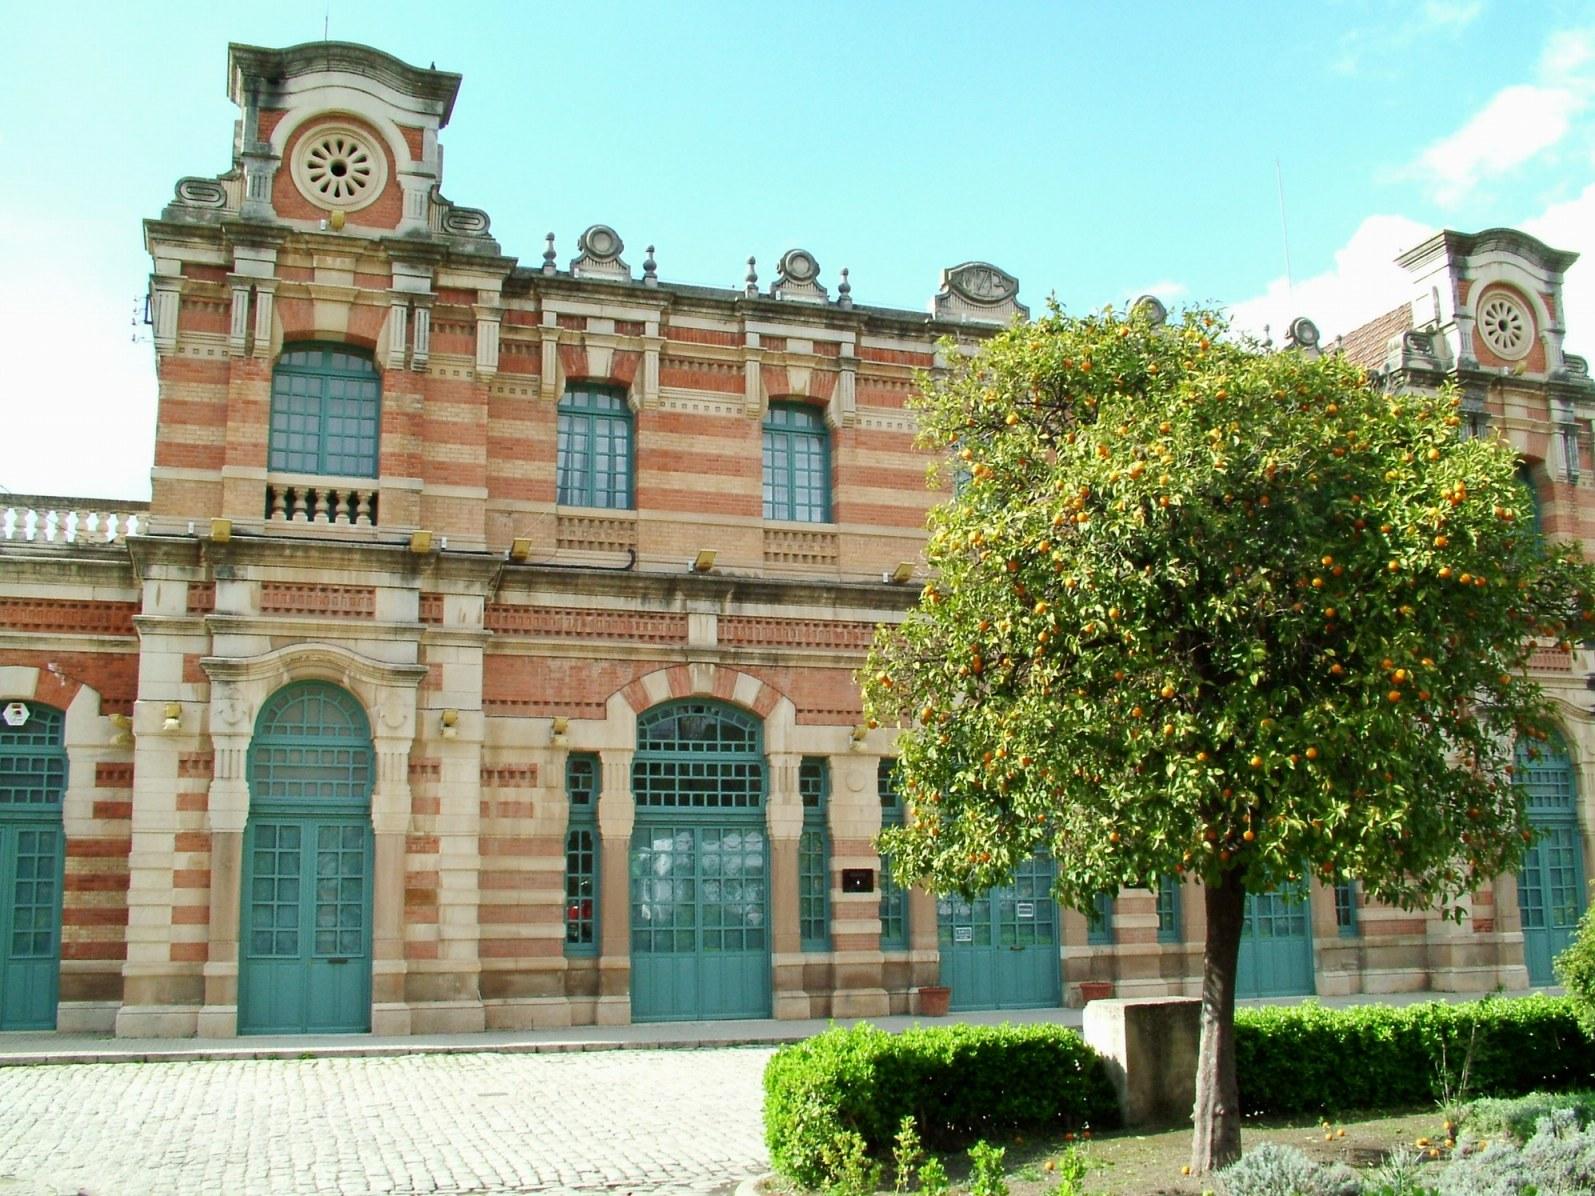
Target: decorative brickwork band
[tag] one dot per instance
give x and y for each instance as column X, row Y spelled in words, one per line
column 574, row 623
column 292, row 598
column 755, row 631
column 71, row 616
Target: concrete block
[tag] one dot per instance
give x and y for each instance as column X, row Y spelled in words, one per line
column 1149, row 1045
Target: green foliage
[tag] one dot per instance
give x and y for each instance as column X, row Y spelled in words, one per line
column 1516, row 1117
column 986, row 1170
column 1274, row 1170
column 933, row 1177
column 1311, row 1059
column 1575, row 967
column 958, row 1082
column 1203, row 609
column 907, row 1155
column 1401, row 1174
column 1072, row 1167
column 848, row 1167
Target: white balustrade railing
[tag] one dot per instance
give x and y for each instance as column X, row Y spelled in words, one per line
column 50, row 519
column 330, row 502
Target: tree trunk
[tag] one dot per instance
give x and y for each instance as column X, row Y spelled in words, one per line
column 1217, row 1114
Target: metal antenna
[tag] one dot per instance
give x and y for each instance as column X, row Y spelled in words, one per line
column 326, row 19
column 1284, row 230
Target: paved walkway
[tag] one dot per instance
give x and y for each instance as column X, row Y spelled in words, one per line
column 669, row 1108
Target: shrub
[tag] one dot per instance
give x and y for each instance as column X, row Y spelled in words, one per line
column 1559, row 1160
column 986, row 1170
column 1310, row 1059
column 958, row 1082
column 1517, row 1117
column 1273, row 1170
column 1575, row 967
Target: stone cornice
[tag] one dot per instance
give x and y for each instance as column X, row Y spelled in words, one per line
column 273, row 66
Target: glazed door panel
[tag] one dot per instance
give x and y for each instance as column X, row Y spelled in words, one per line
column 1000, row 951
column 31, row 865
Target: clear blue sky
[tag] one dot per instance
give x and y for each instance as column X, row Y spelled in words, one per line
column 1095, row 150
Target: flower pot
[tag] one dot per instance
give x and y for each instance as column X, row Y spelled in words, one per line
column 934, row 999
column 1095, row 990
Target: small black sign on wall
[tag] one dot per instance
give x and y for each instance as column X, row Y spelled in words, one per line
column 858, row 880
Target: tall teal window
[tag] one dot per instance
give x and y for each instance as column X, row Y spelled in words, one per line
column 1346, row 908
column 325, row 412
column 1531, row 490
column 894, row 898
column 1099, row 921
column 797, row 464
column 581, row 855
column 594, row 451
column 814, row 880
column 1168, row 910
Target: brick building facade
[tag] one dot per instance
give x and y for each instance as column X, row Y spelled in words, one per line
column 484, row 656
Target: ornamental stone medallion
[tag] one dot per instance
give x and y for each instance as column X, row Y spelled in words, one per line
column 598, row 255
column 978, row 292
column 798, row 277
column 337, row 167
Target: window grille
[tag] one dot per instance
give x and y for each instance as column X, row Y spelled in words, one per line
column 581, row 855
column 311, row 749
column 797, row 464
column 32, row 761
column 814, row 884
column 1168, row 910
column 325, row 413
column 594, row 451
column 894, row 898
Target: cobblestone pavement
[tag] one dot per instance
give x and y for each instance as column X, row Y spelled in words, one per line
column 674, row 1121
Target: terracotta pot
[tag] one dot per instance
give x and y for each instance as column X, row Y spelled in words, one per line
column 934, row 999
column 1095, row 990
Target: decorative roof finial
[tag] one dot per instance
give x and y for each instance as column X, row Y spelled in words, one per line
column 650, row 269
column 844, row 292
column 548, row 257
column 752, row 289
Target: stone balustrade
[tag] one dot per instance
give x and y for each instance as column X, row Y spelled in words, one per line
column 55, row 519
column 331, row 502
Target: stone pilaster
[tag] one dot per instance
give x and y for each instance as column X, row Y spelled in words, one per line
column 617, row 814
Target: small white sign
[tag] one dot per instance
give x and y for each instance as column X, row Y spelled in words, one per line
column 963, row 934
column 16, row 713
column 1025, row 909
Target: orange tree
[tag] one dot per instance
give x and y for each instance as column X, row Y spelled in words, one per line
column 1201, row 610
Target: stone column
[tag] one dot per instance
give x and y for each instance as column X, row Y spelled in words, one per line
column 390, row 820
column 617, row 814
column 784, row 817
column 227, row 812
column 858, row 966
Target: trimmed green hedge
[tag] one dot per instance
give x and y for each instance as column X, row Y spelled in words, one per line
column 1311, row 1059
column 959, row 1083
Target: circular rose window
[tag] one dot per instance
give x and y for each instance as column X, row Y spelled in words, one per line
column 336, row 167
column 1506, row 326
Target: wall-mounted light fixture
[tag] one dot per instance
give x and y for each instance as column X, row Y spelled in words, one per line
column 451, row 723
column 421, row 542
column 221, row 530
column 558, row 729
column 173, row 717
column 902, row 575
column 703, row 562
column 860, row 733
column 520, row 548
column 124, row 730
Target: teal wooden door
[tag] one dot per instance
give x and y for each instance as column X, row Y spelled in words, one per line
column 1276, row 958
column 305, row 940
column 1000, row 951
column 1550, row 883
column 699, row 868
column 32, row 862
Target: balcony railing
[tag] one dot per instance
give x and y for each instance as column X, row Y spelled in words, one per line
column 53, row 519
column 328, row 501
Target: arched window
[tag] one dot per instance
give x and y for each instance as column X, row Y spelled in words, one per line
column 311, row 750
column 698, row 756
column 797, row 464
column 325, row 410
column 594, row 451
column 33, row 767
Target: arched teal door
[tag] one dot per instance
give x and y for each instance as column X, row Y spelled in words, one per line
column 304, row 961
column 700, row 892
column 1550, row 883
column 1000, row 951
column 32, row 856
column 1276, row 957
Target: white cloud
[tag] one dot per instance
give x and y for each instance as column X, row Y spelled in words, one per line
column 1386, row 43
column 1518, row 123
column 1571, row 225
column 1363, row 283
